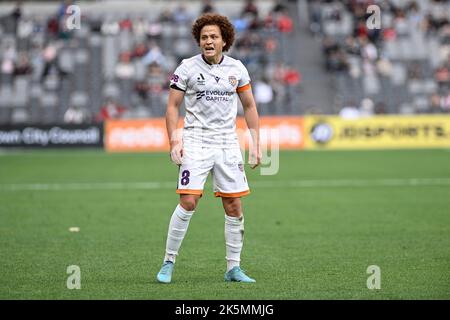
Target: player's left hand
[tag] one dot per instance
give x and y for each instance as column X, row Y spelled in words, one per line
column 255, row 157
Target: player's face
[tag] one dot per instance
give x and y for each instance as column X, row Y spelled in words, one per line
column 211, row 42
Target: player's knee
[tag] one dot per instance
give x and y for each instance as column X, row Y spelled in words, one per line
column 189, row 202
column 232, row 206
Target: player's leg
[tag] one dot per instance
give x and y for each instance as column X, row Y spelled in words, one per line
column 179, row 223
column 192, row 176
column 234, row 231
column 178, row 226
column 230, row 183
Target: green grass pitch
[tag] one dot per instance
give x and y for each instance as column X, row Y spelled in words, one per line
column 311, row 231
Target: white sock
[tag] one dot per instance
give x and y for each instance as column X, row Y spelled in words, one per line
column 177, row 229
column 234, row 239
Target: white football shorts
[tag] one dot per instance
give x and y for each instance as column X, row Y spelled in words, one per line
column 226, row 167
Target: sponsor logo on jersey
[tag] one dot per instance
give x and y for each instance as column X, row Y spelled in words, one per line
column 201, row 80
column 232, row 80
column 217, row 79
column 200, row 94
column 215, row 95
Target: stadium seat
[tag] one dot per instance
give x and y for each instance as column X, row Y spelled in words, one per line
column 20, row 115
column 21, row 91
column 49, row 100
column 6, row 96
column 111, row 89
column 79, row 98
column 399, row 74
column 421, row 103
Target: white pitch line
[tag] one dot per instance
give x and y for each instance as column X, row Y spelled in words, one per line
column 86, row 186
column 335, row 183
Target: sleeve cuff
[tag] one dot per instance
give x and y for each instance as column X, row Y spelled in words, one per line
column 174, row 86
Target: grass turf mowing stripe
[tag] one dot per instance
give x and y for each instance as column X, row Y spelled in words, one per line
column 412, row 182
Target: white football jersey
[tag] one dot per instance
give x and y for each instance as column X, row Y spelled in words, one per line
column 210, row 99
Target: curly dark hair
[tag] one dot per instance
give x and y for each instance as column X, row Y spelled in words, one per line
column 214, row 19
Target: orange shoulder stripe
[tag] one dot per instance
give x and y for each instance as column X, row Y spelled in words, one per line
column 243, row 88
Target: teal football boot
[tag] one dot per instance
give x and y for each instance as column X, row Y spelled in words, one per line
column 165, row 274
column 237, row 275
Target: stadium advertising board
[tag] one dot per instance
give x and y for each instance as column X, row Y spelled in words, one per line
column 51, row 136
column 332, row 132
column 150, row 134
column 285, row 132
column 138, row 135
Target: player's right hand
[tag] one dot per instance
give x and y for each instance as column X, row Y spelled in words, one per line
column 176, row 154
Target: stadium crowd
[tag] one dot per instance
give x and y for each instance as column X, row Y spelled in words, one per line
column 118, row 65
column 402, row 67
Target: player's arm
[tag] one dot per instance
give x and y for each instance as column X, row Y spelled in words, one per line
column 252, row 120
column 172, row 113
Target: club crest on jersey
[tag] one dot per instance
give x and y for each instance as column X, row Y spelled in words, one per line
column 232, row 80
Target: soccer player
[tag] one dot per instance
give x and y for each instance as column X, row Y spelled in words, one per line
column 210, row 84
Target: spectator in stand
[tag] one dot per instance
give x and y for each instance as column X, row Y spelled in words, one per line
column 315, row 14
column 445, row 104
column 7, row 63
column 207, row 7
column 50, row 55
column 250, row 13
column 15, row 15
column 181, row 15
column 25, row 28
column 110, row 110
column 285, row 23
column 110, row 27
column 140, row 28
column 439, row 103
column 352, row 46
column 292, row 79
column 435, row 103
column 368, row 49
column 126, row 24
column 442, row 77
column 23, row 65
column 62, row 9
column 264, row 96
column 154, row 84
column 367, row 108
column 154, row 55
column 140, row 50
column 384, row 67
column 250, row 8
column 125, row 69
column 350, row 111
column 166, row 16
column 291, row 76
column 278, row 7
column 380, row 108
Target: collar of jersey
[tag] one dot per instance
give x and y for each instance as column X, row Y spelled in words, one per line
column 206, row 61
